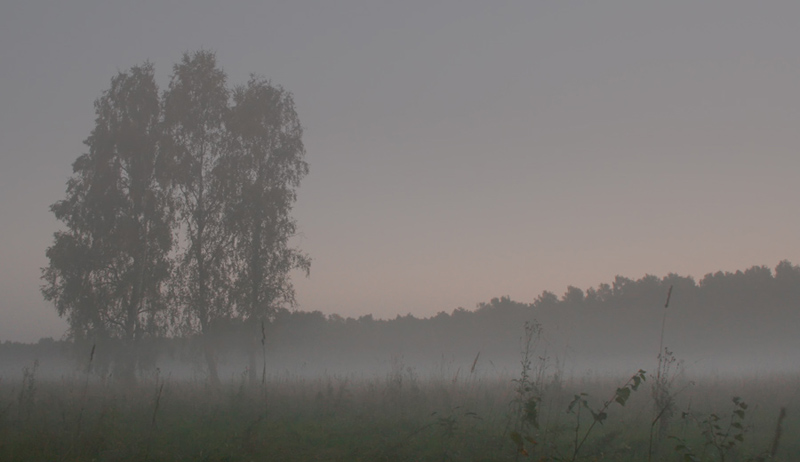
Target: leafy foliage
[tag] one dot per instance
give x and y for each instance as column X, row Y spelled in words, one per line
column 107, row 269
column 178, row 217
column 720, row 434
column 599, row 415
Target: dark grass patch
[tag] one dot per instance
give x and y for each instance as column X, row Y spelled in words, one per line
column 384, row 419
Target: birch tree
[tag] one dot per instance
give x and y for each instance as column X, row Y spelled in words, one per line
column 262, row 172
column 107, row 268
column 195, row 108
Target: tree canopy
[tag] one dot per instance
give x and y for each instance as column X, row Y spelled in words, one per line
column 179, row 215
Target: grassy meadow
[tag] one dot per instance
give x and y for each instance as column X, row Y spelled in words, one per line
column 507, row 404
column 537, row 415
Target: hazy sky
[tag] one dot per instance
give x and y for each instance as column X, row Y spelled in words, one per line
column 459, row 150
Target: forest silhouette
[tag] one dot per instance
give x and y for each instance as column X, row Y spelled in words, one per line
column 725, row 322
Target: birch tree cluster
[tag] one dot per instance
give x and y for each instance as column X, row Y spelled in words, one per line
column 177, row 218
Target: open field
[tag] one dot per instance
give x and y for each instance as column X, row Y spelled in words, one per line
column 395, row 417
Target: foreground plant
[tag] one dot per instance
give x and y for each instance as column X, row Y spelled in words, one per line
column 528, row 396
column 580, row 401
column 527, row 393
column 721, row 435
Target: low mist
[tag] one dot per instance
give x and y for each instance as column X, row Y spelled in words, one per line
column 728, row 324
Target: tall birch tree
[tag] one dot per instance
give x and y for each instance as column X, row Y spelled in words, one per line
column 262, row 171
column 195, row 108
column 108, row 267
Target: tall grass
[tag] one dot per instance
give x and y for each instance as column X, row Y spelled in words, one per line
column 396, row 417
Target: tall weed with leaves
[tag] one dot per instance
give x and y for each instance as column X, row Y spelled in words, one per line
column 599, row 415
column 668, row 370
column 721, row 435
column 527, row 393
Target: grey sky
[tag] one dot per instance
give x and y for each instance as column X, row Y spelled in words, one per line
column 459, row 150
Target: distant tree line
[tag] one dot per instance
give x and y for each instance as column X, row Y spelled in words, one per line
column 749, row 315
column 177, row 218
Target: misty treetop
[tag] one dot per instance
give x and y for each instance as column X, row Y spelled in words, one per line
column 179, row 215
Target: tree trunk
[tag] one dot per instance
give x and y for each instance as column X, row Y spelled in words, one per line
column 211, row 363
column 125, row 364
column 252, row 375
